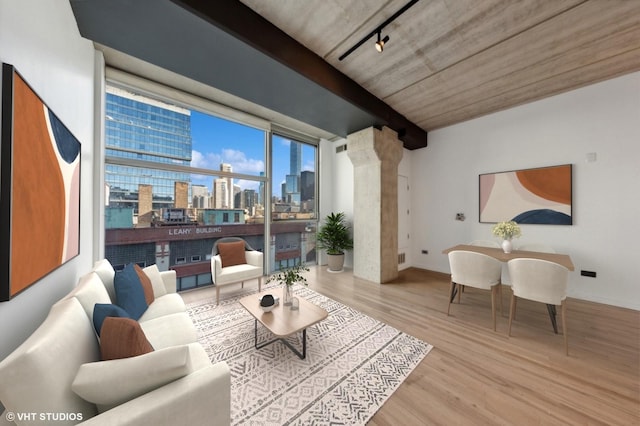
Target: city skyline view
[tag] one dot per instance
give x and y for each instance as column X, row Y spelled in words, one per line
column 216, row 141
column 144, row 128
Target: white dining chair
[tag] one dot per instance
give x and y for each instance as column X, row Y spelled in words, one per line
column 541, row 281
column 543, row 248
column 484, row 243
column 475, row 270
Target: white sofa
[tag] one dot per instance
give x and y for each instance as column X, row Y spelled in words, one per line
column 56, row 376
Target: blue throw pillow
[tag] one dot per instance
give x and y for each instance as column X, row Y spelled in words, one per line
column 104, row 310
column 129, row 292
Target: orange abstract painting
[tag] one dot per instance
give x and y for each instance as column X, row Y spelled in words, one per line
column 40, row 188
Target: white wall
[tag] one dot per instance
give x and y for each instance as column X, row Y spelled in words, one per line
column 40, row 38
column 602, row 119
column 336, row 187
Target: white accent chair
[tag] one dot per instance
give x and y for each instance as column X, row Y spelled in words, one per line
column 225, row 273
column 475, row 270
column 541, row 281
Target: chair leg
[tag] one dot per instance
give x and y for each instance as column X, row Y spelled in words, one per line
column 242, row 284
column 451, row 296
column 500, row 296
column 494, row 291
column 564, row 327
column 552, row 316
column 260, row 284
column 217, row 294
column 512, row 312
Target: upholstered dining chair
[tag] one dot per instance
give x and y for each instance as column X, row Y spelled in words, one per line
column 233, row 261
column 484, row 243
column 475, row 270
column 543, row 248
column 541, row 281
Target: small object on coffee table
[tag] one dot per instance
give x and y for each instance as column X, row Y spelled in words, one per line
column 267, row 303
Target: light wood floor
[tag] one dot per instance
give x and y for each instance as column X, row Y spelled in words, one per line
column 475, row 376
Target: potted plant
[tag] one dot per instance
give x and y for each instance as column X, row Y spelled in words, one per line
column 288, row 277
column 335, row 238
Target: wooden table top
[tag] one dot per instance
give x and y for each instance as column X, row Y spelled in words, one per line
column 282, row 321
column 498, row 253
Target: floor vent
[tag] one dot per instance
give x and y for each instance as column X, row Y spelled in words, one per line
column 401, row 258
column 341, row 148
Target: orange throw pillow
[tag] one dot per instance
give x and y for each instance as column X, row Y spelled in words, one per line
column 145, row 281
column 122, row 338
column 232, row 253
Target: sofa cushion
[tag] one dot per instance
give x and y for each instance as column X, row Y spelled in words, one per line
column 157, row 282
column 110, row 383
column 103, row 310
column 122, row 338
column 145, row 281
column 106, row 273
column 168, row 304
column 232, row 253
column 89, row 291
column 237, row 273
column 37, row 376
column 129, row 292
column 170, row 330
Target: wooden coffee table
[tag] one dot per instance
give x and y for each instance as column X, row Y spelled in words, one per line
column 282, row 321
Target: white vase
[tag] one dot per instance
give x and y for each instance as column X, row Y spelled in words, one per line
column 506, row 246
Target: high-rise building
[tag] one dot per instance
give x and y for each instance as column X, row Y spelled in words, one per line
column 223, row 192
column 307, row 185
column 220, row 191
column 295, row 158
column 200, row 196
column 137, row 127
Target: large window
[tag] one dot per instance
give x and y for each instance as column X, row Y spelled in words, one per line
column 180, row 177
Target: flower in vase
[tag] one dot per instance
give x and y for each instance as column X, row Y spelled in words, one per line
column 506, row 230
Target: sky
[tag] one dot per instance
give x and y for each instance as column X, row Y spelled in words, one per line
column 215, row 141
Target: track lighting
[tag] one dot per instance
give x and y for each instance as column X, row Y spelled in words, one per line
column 380, row 43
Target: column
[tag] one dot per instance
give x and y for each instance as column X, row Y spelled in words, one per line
column 375, row 155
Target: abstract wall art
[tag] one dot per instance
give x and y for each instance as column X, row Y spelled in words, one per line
column 39, row 188
column 531, row 196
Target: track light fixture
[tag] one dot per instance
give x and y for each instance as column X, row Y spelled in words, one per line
column 380, row 43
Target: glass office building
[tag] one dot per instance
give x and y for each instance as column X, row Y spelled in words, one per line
column 141, row 128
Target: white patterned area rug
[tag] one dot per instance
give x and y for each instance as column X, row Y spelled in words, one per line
column 353, row 364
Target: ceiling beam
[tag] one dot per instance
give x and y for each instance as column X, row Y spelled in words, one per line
column 242, row 22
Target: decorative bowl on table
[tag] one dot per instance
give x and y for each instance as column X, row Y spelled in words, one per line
column 267, row 303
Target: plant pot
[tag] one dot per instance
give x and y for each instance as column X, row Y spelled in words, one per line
column 336, row 262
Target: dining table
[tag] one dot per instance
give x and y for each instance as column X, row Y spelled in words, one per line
column 499, row 254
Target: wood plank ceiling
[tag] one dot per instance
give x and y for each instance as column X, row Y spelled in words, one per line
column 448, row 61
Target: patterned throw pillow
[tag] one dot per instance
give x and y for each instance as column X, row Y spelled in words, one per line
column 122, row 338
column 232, row 253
